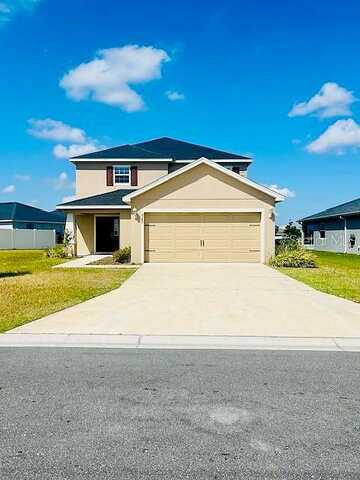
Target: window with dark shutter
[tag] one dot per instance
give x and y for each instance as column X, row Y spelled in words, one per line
column 109, row 176
column 122, row 174
column 134, row 176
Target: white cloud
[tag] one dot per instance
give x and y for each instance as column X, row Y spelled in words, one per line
column 22, row 178
column 9, row 189
column 107, row 78
column 34, row 203
column 55, row 130
column 61, row 151
column 174, row 95
column 331, row 101
column 341, row 134
column 61, row 182
column 282, row 190
column 10, row 7
column 68, row 198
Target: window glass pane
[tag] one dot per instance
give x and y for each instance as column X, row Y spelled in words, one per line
column 122, row 174
column 121, row 178
column 122, row 170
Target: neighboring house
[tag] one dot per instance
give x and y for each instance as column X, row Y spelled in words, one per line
column 171, row 201
column 15, row 215
column 336, row 229
column 279, row 234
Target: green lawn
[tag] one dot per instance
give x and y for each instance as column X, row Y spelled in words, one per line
column 338, row 274
column 30, row 288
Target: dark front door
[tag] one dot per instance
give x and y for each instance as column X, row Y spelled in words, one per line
column 107, row 234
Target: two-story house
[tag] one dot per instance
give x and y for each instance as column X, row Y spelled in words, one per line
column 171, row 201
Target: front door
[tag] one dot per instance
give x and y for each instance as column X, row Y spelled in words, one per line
column 107, row 234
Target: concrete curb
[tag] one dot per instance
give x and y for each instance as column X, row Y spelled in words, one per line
column 350, row 344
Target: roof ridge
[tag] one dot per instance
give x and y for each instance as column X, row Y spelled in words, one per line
column 194, row 144
column 142, row 149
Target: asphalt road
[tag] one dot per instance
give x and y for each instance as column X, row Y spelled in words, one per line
column 156, row 414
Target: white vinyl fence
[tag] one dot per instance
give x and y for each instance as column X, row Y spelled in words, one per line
column 22, row 239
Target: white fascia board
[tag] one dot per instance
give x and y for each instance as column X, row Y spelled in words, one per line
column 277, row 196
column 92, row 207
column 122, row 160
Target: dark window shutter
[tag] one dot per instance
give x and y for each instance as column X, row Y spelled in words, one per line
column 134, row 176
column 236, row 170
column 109, row 176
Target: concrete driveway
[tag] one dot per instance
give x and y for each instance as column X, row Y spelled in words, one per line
column 207, row 299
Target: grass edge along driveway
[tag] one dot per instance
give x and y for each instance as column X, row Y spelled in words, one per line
column 31, row 289
column 338, row 274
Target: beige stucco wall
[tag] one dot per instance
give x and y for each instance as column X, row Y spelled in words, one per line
column 125, row 228
column 242, row 166
column 85, row 235
column 91, row 176
column 206, row 188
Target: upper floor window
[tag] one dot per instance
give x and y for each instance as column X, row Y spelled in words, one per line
column 122, row 174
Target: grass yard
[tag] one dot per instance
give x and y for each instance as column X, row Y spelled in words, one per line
column 31, row 289
column 338, row 274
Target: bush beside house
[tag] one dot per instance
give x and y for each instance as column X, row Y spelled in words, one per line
column 123, row 255
column 291, row 254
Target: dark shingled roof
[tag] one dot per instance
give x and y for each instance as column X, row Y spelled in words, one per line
column 163, row 148
column 114, row 198
column 348, row 208
column 19, row 212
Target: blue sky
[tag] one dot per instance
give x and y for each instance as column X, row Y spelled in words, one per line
column 241, row 76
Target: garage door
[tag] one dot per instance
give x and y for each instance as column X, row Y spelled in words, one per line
column 207, row 237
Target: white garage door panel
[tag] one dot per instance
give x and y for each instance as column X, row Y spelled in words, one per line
column 208, row 237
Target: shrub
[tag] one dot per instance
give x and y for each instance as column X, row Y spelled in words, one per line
column 123, row 255
column 292, row 231
column 59, row 251
column 296, row 258
column 288, row 244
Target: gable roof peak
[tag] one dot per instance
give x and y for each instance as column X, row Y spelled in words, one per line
column 165, row 148
column 277, row 196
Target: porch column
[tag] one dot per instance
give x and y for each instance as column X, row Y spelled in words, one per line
column 70, row 229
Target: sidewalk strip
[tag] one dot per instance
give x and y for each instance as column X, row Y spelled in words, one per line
column 180, row 342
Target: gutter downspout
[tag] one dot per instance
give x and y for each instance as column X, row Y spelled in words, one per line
column 345, row 233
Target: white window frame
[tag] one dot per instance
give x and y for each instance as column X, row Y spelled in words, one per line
column 121, row 175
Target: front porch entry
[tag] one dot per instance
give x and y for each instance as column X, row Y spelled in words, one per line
column 106, row 234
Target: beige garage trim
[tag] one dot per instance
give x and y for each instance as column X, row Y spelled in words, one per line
column 203, row 237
